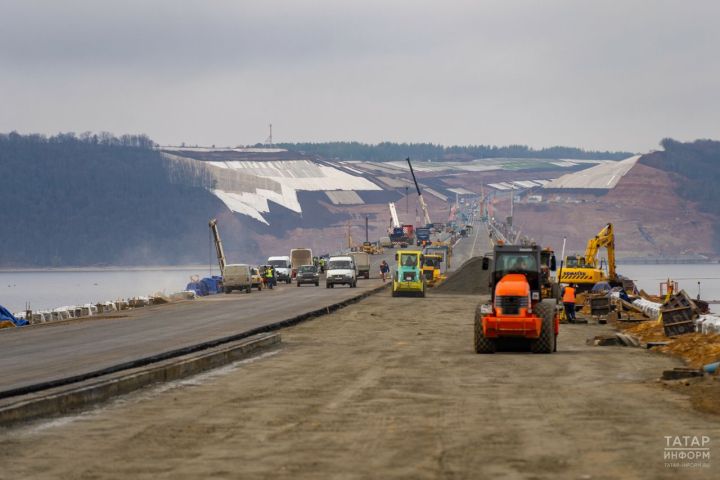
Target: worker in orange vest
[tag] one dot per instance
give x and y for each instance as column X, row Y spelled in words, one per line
column 569, row 302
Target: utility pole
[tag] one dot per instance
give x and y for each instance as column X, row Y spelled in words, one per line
column 407, row 203
column 269, row 140
column 367, row 236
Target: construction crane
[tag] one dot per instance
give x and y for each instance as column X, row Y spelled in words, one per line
column 394, row 216
column 586, row 271
column 426, row 214
column 218, row 245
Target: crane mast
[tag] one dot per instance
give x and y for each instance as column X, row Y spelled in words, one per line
column 218, row 245
column 423, row 205
column 394, row 215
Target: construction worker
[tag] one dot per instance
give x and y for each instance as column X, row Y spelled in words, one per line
column 270, row 275
column 568, row 299
column 384, row 270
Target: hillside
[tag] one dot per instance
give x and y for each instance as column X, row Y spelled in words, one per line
column 98, row 200
column 667, row 204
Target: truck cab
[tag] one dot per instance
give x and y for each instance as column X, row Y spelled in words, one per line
column 422, row 235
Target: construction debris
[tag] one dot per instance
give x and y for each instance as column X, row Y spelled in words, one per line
column 678, row 313
column 617, row 339
column 678, row 373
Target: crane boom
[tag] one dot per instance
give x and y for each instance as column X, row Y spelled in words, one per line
column 394, row 215
column 423, row 205
column 218, row 245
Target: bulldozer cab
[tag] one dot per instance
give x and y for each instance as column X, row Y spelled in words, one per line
column 510, row 259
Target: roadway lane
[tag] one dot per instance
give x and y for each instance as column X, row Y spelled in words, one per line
column 53, row 351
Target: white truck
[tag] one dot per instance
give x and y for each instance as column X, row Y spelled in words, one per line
column 362, row 263
column 237, row 277
column 282, row 266
column 341, row 270
column 298, row 257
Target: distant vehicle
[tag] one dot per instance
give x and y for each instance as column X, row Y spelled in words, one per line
column 255, row 278
column 300, row 256
column 308, row 274
column 362, row 263
column 282, row 266
column 422, row 235
column 341, row 271
column 237, row 277
column 385, row 242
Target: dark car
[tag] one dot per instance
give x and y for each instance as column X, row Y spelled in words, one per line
column 308, row 274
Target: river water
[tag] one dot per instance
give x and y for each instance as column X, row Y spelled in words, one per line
column 55, row 288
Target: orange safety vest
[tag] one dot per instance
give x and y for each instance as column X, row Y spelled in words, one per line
column 569, row 295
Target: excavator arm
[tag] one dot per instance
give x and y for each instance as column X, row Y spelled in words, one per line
column 604, row 239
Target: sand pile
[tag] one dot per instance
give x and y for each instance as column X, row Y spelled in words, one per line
column 470, row 278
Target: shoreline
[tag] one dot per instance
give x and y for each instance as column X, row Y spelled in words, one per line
column 152, row 268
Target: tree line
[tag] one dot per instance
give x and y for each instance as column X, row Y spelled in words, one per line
column 97, row 199
column 389, row 151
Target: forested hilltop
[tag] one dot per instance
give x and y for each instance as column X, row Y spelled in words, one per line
column 388, row 151
column 697, row 165
column 98, row 200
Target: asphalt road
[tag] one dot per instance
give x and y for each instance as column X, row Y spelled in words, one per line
column 49, row 352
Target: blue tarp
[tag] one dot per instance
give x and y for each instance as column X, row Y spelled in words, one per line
column 206, row 286
column 7, row 316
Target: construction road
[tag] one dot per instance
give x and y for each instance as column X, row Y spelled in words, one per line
column 385, row 388
column 48, row 352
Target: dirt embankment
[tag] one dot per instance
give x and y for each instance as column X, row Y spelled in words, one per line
column 469, row 279
column 648, row 216
column 387, row 388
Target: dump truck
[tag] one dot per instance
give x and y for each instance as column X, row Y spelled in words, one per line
column 298, row 257
column 408, row 278
column 362, row 263
column 517, row 309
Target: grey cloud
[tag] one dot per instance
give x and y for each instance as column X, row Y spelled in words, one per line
column 610, row 74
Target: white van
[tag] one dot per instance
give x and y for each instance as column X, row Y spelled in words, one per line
column 282, row 268
column 237, row 277
column 341, row 271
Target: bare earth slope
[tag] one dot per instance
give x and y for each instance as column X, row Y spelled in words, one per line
column 648, row 216
column 387, row 388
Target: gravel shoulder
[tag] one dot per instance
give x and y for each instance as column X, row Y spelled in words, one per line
column 386, row 388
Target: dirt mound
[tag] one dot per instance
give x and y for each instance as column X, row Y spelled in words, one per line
column 470, row 278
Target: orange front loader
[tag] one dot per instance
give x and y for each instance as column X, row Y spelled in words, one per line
column 516, row 309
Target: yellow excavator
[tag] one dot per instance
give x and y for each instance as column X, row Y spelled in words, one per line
column 586, row 271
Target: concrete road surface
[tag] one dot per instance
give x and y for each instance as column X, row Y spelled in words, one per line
column 386, row 388
column 47, row 352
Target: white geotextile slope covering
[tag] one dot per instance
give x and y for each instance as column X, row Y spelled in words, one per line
column 603, row 176
column 292, row 176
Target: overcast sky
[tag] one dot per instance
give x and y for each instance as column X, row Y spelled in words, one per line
column 594, row 74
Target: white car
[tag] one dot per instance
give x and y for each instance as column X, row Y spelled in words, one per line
column 341, row 271
column 283, row 272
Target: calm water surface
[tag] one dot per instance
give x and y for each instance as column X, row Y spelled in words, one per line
column 56, row 288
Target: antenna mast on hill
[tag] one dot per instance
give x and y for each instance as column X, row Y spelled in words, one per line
column 269, row 140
